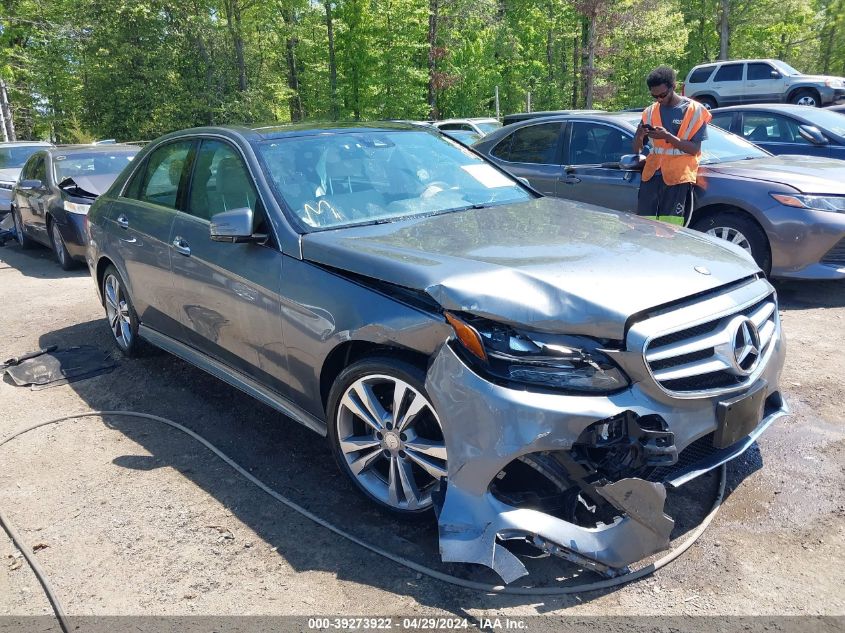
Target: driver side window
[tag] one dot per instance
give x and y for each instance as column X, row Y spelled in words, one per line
column 594, row 144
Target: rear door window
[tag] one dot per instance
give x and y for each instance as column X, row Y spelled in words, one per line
column 593, row 144
column 729, row 72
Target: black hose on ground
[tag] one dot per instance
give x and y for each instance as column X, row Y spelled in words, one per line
column 432, row 573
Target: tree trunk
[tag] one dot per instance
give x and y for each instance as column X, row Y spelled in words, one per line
column 433, row 9
column 6, row 111
column 233, row 17
column 332, row 62
column 295, row 102
column 576, row 57
column 589, row 73
column 724, row 29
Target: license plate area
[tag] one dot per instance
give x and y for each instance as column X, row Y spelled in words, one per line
column 739, row 416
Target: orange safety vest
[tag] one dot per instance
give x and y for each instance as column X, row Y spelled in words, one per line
column 676, row 166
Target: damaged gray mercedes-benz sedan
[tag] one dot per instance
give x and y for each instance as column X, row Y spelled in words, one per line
column 535, row 370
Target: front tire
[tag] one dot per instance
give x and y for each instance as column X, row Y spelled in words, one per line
column 66, row 261
column 740, row 230
column 123, row 321
column 806, row 98
column 386, row 435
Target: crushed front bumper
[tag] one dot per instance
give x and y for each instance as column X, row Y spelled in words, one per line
column 486, row 426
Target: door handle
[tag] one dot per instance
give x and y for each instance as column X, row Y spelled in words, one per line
column 571, row 180
column 181, row 246
column 122, row 222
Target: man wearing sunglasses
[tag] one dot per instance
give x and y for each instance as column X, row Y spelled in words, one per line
column 674, row 126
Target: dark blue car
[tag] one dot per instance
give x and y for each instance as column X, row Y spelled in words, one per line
column 787, row 129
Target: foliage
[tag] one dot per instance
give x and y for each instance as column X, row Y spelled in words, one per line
column 134, row 69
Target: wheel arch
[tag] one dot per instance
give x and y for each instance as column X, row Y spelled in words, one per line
column 712, row 210
column 798, row 89
column 352, row 351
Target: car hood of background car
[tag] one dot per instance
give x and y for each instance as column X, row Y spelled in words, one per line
column 548, row 264
column 808, row 174
column 88, row 186
column 10, row 174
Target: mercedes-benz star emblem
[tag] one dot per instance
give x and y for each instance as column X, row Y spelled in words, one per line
column 746, row 347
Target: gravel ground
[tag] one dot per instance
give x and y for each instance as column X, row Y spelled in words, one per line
column 130, row 517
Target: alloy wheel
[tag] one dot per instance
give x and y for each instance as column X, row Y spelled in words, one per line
column 117, row 312
column 731, row 235
column 391, row 441
column 58, row 243
column 807, row 100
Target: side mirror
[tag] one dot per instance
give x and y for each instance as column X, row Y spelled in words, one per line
column 234, row 226
column 776, row 75
column 29, row 185
column 632, row 162
column 812, row 134
column 524, row 181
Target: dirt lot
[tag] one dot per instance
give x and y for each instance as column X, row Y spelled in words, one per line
column 137, row 518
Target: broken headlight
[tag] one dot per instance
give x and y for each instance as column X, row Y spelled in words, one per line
column 570, row 363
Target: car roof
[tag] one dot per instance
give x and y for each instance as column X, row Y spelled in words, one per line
column 477, row 119
column 25, row 144
column 257, row 133
column 735, row 61
column 89, row 149
column 772, row 107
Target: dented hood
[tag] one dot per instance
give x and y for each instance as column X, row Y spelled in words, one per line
column 548, row 264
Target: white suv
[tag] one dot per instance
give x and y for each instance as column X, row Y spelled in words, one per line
column 760, row 81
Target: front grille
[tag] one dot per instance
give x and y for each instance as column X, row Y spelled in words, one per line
column 701, row 358
column 836, row 255
column 697, row 452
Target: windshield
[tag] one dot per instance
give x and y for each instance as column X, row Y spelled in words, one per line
column 339, row 179
column 827, row 119
column 785, row 68
column 11, row 157
column 489, row 126
column 76, row 164
column 721, row 146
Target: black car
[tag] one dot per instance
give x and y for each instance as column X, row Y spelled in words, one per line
column 56, row 188
column 787, row 129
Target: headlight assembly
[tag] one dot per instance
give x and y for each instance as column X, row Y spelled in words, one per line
column 74, row 207
column 817, row 203
column 568, row 363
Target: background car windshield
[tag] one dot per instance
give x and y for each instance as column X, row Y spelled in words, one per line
column 11, row 157
column 334, row 180
column 785, row 68
column 91, row 163
column 833, row 121
column 721, row 146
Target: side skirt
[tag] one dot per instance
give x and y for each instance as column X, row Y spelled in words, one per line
column 234, row 378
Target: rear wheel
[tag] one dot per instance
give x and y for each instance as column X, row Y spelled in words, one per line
column 386, row 435
column 65, row 260
column 740, row 230
column 123, row 321
column 707, row 102
column 806, row 98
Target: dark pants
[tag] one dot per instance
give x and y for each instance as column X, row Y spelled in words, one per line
column 668, row 203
